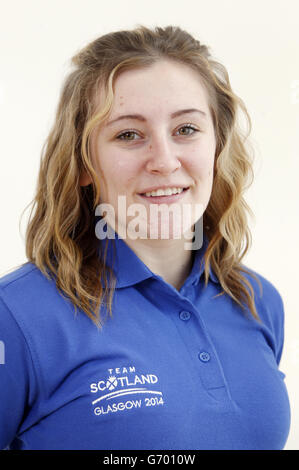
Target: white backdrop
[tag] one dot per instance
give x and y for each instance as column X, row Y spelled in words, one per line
column 258, row 42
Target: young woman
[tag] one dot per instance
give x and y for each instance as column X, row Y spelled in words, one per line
column 116, row 335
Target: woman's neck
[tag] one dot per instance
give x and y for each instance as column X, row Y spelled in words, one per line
column 166, row 258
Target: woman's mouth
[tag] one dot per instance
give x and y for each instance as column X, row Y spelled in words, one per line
column 167, row 196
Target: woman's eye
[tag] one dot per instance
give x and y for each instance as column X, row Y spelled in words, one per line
column 129, row 135
column 187, row 127
column 123, row 135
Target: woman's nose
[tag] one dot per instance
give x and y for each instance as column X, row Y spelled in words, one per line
column 162, row 156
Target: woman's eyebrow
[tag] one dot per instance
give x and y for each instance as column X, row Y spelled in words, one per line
column 139, row 117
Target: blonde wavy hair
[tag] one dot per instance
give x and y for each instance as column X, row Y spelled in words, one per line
column 60, row 236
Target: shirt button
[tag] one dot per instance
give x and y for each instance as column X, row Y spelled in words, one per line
column 185, row 315
column 204, row 356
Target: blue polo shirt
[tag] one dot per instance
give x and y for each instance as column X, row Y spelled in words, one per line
column 170, row 370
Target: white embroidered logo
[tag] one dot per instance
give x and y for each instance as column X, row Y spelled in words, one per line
column 123, row 381
column 111, row 383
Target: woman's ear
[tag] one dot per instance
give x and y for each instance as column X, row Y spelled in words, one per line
column 84, row 179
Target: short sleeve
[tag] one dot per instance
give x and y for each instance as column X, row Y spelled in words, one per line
column 17, row 382
column 278, row 318
column 270, row 308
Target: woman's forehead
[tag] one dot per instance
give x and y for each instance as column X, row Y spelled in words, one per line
column 146, row 91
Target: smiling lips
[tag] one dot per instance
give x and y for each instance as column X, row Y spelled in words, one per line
column 164, row 191
column 170, row 194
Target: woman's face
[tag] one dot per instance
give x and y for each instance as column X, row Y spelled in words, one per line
column 158, row 135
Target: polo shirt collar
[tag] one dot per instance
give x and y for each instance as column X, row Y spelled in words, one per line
column 130, row 270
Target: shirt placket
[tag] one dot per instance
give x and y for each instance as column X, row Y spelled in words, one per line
column 198, row 342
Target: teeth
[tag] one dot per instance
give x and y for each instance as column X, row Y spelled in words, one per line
column 164, row 192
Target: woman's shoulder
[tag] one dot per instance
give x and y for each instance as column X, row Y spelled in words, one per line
column 23, row 275
column 26, row 282
column 268, row 300
column 30, row 296
column 264, row 288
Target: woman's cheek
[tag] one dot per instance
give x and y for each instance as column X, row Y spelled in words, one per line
column 202, row 167
column 127, row 165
